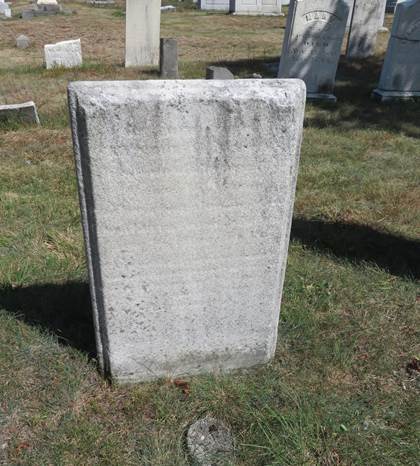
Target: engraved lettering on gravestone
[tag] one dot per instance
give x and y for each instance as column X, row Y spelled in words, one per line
column 311, row 48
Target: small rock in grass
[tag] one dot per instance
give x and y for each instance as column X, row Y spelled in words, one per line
column 210, row 442
column 23, row 42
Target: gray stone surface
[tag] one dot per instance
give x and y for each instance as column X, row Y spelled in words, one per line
column 23, row 42
column 168, row 58
column 210, row 442
column 5, row 9
column 25, row 112
column 219, row 5
column 256, row 7
column 142, row 32
column 382, row 27
column 66, row 54
column 28, row 14
column 390, row 6
column 350, row 3
column 312, row 44
column 218, row 72
column 400, row 76
column 186, row 191
column 365, row 23
column 48, row 5
column 44, row 8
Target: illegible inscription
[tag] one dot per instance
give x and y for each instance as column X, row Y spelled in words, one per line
column 413, row 31
column 313, row 39
column 324, row 16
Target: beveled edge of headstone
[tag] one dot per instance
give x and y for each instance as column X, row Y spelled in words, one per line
column 63, row 42
column 23, row 106
column 388, row 96
column 317, row 96
column 290, row 90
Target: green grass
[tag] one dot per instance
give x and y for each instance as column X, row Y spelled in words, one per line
column 337, row 392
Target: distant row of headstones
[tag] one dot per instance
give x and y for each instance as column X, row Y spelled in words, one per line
column 314, row 36
column 243, row 7
column 312, row 44
column 269, row 7
column 315, row 32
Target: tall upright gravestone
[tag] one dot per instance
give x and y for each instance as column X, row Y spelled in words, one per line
column 186, row 191
column 142, row 32
column 312, row 44
column 400, row 76
column 365, row 23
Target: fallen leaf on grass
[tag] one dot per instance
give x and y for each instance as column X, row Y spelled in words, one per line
column 183, row 385
column 22, row 446
column 413, row 366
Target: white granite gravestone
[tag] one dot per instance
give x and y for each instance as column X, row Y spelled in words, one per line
column 66, row 54
column 142, row 33
column 186, row 191
column 5, row 9
column 365, row 23
column 25, row 112
column 256, row 7
column 219, row 5
column 312, row 44
column 48, row 5
column 400, row 76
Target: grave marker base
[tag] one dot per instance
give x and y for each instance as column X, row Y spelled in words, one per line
column 386, row 96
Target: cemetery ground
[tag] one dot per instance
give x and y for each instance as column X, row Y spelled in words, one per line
column 343, row 387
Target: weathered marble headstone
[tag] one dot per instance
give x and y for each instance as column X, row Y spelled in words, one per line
column 48, row 5
column 22, row 42
column 142, row 32
column 168, row 58
column 5, row 9
column 400, row 76
column 44, row 8
column 365, row 23
column 218, row 72
column 186, row 191
column 256, row 7
column 312, row 44
column 25, row 112
column 220, row 5
column 66, row 54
